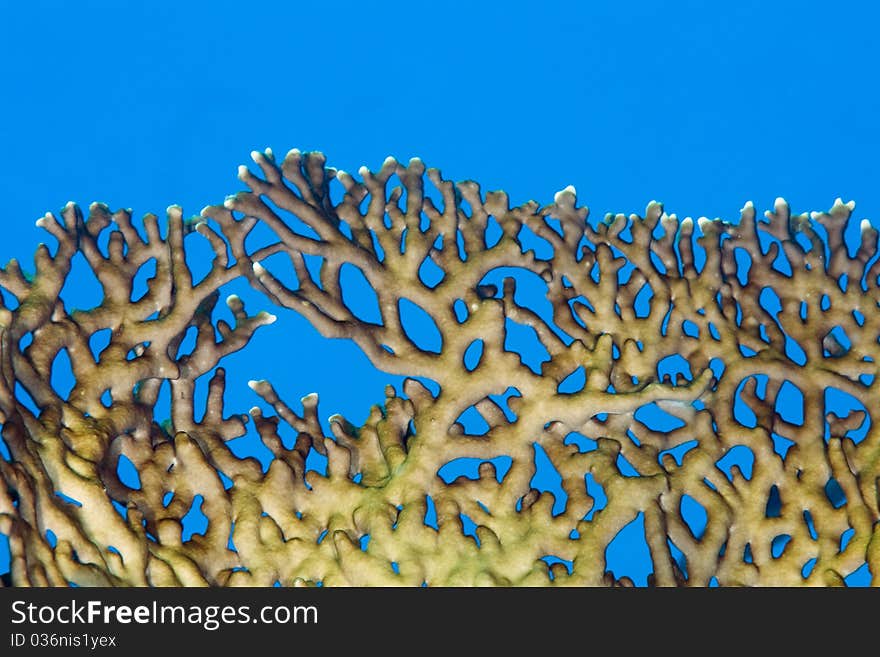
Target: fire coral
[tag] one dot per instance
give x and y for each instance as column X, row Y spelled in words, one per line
column 705, row 326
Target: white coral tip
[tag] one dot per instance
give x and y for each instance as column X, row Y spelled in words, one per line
column 389, row 161
column 259, row 269
column 567, row 190
column 242, row 170
column 865, row 225
column 363, row 172
column 232, row 298
column 253, row 384
column 257, row 157
column 268, row 318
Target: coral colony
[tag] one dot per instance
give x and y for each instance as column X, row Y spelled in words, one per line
column 667, row 348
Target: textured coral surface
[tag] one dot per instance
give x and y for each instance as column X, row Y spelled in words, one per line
column 666, row 350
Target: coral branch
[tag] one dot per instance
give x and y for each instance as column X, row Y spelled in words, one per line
column 662, row 354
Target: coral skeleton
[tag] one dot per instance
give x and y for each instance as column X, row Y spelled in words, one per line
column 704, row 325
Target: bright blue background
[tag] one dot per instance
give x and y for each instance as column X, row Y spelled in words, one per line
column 702, row 105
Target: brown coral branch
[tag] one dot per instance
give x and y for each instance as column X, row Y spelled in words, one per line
column 779, row 299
